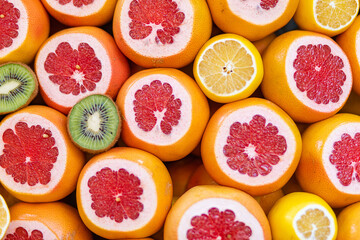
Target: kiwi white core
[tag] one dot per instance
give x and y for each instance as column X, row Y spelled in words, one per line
column 29, row 226
column 94, row 122
column 9, row 86
column 70, row 9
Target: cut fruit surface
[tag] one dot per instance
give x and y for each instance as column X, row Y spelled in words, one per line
column 228, row 68
column 161, row 33
column 37, row 158
column 251, row 145
column 164, row 112
column 4, row 217
column 124, row 192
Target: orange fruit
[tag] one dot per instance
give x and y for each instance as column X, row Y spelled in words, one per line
column 81, row 13
column 158, row 33
column 307, row 74
column 9, row 199
column 38, row 161
column 164, row 112
column 228, row 67
column 216, row 212
column 254, row 19
column 77, row 62
column 54, row 220
column 4, row 217
column 352, row 105
column 329, row 162
column 349, row 222
column 24, row 26
column 124, row 193
column 302, row 215
column 349, row 42
column 330, row 17
column 252, row 145
column 291, row 186
column 267, row 201
column 263, row 43
column 200, row 177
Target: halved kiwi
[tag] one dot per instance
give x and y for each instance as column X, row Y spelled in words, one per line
column 94, row 123
column 18, row 86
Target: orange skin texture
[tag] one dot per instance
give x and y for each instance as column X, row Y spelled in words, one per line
column 38, row 32
column 163, row 185
column 201, row 32
column 119, row 64
column 202, row 192
column 268, row 200
column 208, row 151
column 263, row 43
column 200, row 177
column 74, row 162
column 349, row 222
column 62, row 219
column 98, row 18
column 228, row 22
column 292, row 186
column 347, row 41
column 310, row 173
column 275, row 86
column 200, row 117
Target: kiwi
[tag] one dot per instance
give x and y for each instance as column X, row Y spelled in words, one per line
column 94, row 123
column 18, row 86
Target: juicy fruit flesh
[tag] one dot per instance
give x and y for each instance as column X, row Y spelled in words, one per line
column 149, row 15
column 253, row 148
column 267, row 4
column 76, row 3
column 4, row 216
column 226, row 67
column 335, row 13
column 346, row 158
column 156, row 103
column 116, row 194
column 319, row 73
column 21, row 233
column 218, row 225
column 74, row 70
column 314, row 225
column 9, row 17
column 29, row 154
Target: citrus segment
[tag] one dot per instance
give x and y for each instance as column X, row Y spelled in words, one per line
column 9, row 19
column 228, row 68
column 4, row 217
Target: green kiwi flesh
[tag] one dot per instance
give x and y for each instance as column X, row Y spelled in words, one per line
column 94, row 123
column 18, row 86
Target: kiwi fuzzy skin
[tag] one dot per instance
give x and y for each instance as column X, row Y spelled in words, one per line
column 117, row 136
column 36, row 88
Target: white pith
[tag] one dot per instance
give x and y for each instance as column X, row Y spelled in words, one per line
column 302, row 212
column 156, row 136
column 74, row 39
column 242, row 214
column 245, row 115
column 58, row 167
column 70, row 9
column 31, row 225
column 290, row 70
column 147, row 46
column 23, row 29
column 331, row 171
column 252, row 12
column 148, row 198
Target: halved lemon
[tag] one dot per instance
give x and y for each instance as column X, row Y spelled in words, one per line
column 4, row 217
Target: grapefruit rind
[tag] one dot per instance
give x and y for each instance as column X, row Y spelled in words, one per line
column 83, row 11
column 29, row 226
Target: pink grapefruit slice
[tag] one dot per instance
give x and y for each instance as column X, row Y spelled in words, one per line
column 38, row 161
column 77, row 62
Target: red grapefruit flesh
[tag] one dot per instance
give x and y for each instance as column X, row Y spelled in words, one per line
column 76, row 3
column 21, row 233
column 9, row 17
column 267, row 4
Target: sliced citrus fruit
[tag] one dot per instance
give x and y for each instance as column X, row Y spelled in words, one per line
column 228, row 68
column 307, row 74
column 124, row 193
column 4, row 217
column 50, row 221
column 216, row 212
column 252, row 145
column 253, row 19
column 24, row 26
column 329, row 165
column 77, row 62
column 164, row 111
column 302, row 215
column 81, row 12
column 330, row 17
column 38, row 161
column 161, row 33
column 349, row 222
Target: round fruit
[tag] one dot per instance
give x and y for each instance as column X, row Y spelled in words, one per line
column 77, row 62
column 349, row 222
column 124, row 193
column 38, row 161
column 164, row 112
column 329, row 164
column 161, row 33
column 267, row 201
column 251, row 145
column 200, row 177
column 4, row 217
column 263, row 43
column 307, row 74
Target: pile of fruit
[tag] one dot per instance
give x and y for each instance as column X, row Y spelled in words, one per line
column 179, row 119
